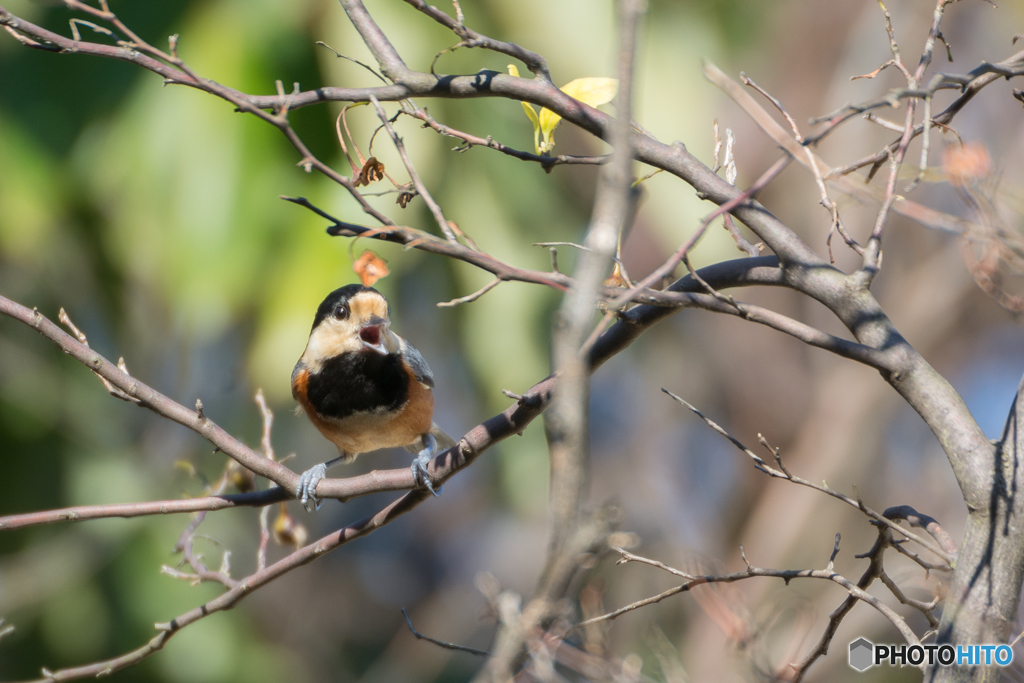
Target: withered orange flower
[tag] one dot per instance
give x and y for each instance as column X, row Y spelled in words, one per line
column 370, row 268
column 966, row 164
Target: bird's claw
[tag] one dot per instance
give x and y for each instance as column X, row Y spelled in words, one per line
column 306, row 492
column 419, row 472
column 419, row 465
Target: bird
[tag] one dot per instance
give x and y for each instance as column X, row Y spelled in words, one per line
column 364, row 387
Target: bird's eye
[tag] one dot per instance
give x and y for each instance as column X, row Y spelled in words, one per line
column 341, row 311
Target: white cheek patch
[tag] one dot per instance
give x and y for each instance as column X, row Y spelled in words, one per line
column 328, row 340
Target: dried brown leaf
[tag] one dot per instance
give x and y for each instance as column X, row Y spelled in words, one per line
column 370, row 268
column 372, row 171
column 404, row 197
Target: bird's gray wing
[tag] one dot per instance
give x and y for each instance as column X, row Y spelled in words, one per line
column 416, row 363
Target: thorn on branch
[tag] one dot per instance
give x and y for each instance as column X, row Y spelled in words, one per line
column 875, row 72
column 528, row 400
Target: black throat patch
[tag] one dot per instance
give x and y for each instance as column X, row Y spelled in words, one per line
column 358, row 382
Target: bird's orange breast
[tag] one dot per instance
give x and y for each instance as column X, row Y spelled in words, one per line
column 362, row 432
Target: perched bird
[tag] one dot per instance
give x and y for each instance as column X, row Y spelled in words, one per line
column 364, row 387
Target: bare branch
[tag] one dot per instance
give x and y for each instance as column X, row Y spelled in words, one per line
column 547, row 162
column 244, row 587
column 572, row 533
column 443, row 223
column 673, row 262
column 429, row 243
column 441, row 643
column 923, row 521
column 156, row 507
column 470, row 38
column 471, row 297
column 763, row 466
column 152, row 399
column 786, row 575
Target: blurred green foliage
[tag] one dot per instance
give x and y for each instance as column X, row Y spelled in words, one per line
column 151, row 215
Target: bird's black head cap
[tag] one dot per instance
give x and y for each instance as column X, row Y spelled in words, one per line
column 338, row 296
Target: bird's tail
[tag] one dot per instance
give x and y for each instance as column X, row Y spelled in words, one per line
column 444, row 442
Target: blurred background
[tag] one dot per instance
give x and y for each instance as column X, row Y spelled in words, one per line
column 152, row 216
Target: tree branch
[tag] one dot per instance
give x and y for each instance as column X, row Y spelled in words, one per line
column 533, row 61
column 786, row 575
column 152, row 399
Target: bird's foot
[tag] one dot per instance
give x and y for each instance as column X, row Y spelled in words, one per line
column 419, row 465
column 306, row 492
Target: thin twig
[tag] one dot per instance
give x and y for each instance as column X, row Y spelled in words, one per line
column 763, row 466
column 448, row 228
column 786, row 575
column 670, row 265
column 441, row 643
column 470, row 140
column 471, row 297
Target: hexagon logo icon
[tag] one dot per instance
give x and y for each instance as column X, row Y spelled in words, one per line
column 861, row 654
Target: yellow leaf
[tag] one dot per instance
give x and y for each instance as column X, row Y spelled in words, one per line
column 531, row 113
column 592, row 91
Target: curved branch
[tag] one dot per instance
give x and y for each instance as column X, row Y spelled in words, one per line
column 244, row 587
column 153, row 399
column 511, row 421
column 737, row 273
column 424, row 242
column 533, row 61
column 880, row 360
column 787, row 575
column 391, row 65
column 674, row 159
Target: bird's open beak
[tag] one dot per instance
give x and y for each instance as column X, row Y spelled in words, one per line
column 372, row 334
